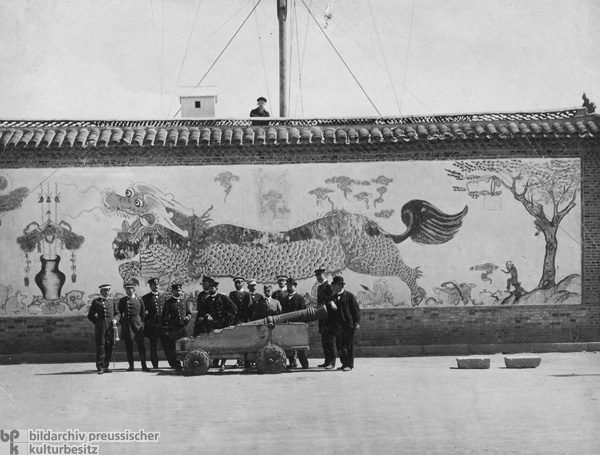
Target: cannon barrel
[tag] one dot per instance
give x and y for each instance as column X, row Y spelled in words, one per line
column 307, row 315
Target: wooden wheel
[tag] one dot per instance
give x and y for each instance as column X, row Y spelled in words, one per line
column 196, row 363
column 271, row 360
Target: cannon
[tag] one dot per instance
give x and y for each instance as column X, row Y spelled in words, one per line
column 267, row 342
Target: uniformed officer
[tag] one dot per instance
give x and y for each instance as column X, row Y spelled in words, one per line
column 176, row 315
column 294, row 302
column 217, row 312
column 153, row 303
column 265, row 306
column 241, row 298
column 206, row 280
column 280, row 293
column 326, row 328
column 132, row 311
column 104, row 315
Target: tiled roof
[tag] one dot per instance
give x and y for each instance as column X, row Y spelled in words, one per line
column 222, row 132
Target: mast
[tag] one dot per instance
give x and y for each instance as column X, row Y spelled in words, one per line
column 281, row 16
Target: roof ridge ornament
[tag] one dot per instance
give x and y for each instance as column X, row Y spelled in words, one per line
column 590, row 106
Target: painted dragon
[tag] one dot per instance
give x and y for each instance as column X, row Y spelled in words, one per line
column 167, row 240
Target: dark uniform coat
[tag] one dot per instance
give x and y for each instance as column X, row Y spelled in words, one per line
column 264, row 307
column 220, row 308
column 324, row 294
column 102, row 312
column 198, row 322
column 242, row 301
column 153, row 303
column 292, row 302
column 132, row 313
column 176, row 315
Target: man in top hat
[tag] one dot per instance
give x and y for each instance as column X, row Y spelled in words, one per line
column 153, row 303
column 326, row 328
column 346, row 321
column 241, row 298
column 175, row 316
column 260, row 111
column 132, row 311
column 104, row 315
column 281, row 292
column 266, row 306
column 216, row 312
column 294, row 302
column 206, row 280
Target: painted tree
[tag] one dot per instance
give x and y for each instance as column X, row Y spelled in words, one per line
column 547, row 189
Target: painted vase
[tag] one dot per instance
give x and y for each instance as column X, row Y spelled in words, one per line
column 50, row 279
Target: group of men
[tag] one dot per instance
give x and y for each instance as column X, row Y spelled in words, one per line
column 158, row 317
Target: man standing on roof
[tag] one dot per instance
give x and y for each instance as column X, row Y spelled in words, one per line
column 104, row 315
column 326, row 328
column 132, row 312
column 260, row 111
column 153, row 302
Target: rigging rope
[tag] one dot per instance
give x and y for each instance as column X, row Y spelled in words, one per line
column 158, row 64
column 224, row 49
column 184, row 57
column 336, row 51
column 412, row 16
column 262, row 56
column 359, row 46
column 387, row 69
column 162, row 54
column 299, row 62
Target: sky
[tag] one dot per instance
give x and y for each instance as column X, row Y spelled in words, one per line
column 132, row 59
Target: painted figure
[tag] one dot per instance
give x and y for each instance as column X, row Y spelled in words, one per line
column 514, row 278
column 339, row 240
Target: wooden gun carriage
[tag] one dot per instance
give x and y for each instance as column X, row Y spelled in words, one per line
column 266, row 342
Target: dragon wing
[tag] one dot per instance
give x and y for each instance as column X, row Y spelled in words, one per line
column 427, row 224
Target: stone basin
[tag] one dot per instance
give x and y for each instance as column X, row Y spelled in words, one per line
column 473, row 362
column 522, row 362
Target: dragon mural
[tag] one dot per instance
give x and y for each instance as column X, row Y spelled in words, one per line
column 168, row 240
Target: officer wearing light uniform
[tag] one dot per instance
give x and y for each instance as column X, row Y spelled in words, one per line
column 153, row 303
column 104, row 315
column 132, row 311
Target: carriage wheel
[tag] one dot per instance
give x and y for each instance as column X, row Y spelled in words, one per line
column 196, row 363
column 271, row 360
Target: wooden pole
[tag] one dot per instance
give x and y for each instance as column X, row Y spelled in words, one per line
column 281, row 16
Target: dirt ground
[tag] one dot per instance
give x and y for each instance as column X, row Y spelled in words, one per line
column 414, row 405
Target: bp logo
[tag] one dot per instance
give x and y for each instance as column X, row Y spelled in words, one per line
column 9, row 441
